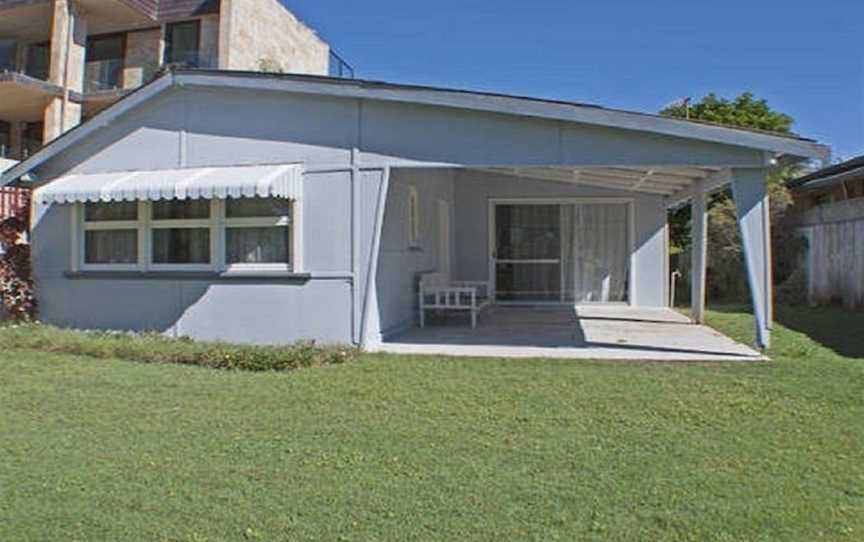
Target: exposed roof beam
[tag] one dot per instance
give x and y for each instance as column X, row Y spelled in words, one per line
column 576, row 177
column 641, row 182
column 711, row 184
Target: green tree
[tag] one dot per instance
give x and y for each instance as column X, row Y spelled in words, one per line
column 726, row 282
column 745, row 111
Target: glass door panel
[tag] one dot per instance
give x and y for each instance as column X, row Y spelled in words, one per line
column 596, row 252
column 527, row 255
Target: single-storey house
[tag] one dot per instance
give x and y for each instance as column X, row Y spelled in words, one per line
column 271, row 208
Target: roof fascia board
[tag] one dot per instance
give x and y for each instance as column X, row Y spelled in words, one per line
column 517, row 106
column 101, row 120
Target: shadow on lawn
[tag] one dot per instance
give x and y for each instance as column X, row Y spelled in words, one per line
column 833, row 327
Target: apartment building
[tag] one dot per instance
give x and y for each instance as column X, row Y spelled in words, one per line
column 62, row 61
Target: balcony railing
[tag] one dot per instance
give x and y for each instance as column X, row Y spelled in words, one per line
column 340, row 68
column 192, row 59
column 103, row 75
column 28, row 148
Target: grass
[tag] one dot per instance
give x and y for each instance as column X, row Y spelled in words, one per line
column 411, row 448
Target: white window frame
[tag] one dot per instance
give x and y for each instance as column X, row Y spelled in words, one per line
column 413, row 218
column 216, row 223
column 257, row 222
column 81, row 226
column 152, row 224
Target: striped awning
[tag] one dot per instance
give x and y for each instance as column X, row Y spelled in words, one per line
column 276, row 181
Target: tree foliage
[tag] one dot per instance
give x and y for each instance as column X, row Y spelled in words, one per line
column 726, row 281
column 745, row 111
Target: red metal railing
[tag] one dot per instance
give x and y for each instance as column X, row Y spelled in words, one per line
column 12, row 199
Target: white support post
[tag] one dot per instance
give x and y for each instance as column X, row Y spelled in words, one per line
column 699, row 259
column 751, row 201
column 371, row 324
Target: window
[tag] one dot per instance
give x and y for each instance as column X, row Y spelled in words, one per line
column 181, row 232
column 104, row 67
column 111, row 235
column 258, row 232
column 248, row 234
column 38, row 60
column 32, row 138
column 5, row 139
column 8, row 52
column 413, row 218
column 181, row 44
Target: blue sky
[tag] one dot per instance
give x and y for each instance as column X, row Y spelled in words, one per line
column 805, row 58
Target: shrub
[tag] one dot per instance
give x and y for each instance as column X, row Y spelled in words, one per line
column 16, row 281
column 156, row 348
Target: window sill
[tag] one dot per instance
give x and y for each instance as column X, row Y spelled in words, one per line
column 282, row 276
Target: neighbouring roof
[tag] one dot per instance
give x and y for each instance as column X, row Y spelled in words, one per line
column 779, row 146
column 850, row 170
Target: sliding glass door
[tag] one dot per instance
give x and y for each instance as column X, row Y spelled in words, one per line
column 561, row 252
column 528, row 253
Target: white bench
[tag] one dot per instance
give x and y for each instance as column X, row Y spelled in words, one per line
column 437, row 291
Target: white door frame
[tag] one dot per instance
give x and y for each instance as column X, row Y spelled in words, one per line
column 492, row 260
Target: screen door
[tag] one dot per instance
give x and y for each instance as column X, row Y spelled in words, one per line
column 527, row 253
column 561, row 252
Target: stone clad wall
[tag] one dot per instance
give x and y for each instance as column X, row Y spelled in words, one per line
column 256, row 34
column 209, row 41
column 143, row 53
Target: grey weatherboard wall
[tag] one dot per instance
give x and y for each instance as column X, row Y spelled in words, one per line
column 348, row 147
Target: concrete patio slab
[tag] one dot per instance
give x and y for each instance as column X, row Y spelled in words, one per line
column 586, row 332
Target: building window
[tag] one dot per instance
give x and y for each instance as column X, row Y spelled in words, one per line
column 31, row 138
column 258, row 232
column 5, row 139
column 104, row 67
column 248, row 234
column 8, row 54
column 182, row 44
column 413, row 218
column 180, row 232
column 38, row 60
column 111, row 235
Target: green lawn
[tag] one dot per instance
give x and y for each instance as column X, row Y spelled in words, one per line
column 402, row 448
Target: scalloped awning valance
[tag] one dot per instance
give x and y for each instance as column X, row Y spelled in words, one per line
column 271, row 181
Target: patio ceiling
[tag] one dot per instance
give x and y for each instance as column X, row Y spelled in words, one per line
column 661, row 181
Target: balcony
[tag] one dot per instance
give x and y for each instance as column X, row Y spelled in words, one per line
column 103, row 75
column 28, row 148
column 339, row 68
column 36, row 64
